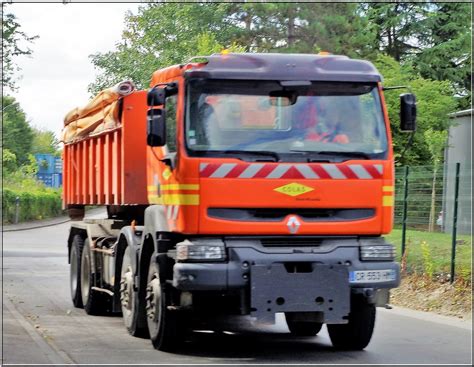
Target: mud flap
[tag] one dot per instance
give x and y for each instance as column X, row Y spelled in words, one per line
column 325, row 289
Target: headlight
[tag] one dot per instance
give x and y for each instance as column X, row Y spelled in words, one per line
column 210, row 249
column 376, row 249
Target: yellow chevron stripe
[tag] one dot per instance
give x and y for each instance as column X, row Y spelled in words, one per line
column 387, row 188
column 387, row 201
column 174, row 187
column 174, row 199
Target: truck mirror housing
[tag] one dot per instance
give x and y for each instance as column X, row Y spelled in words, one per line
column 156, row 128
column 407, row 112
column 156, row 97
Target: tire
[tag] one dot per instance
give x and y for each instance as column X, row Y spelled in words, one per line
column 357, row 333
column 95, row 302
column 303, row 328
column 166, row 332
column 75, row 270
column 129, row 300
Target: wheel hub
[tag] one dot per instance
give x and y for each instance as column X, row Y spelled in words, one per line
column 153, row 298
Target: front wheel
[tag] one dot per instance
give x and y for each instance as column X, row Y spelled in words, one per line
column 356, row 334
column 163, row 324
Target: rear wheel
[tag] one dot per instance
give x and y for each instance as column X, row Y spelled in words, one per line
column 95, row 302
column 303, row 328
column 357, row 333
column 75, row 270
column 129, row 297
column 163, row 325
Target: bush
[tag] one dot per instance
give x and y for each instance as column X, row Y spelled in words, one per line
column 33, row 205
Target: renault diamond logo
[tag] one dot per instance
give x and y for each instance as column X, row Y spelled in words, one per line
column 293, row 224
column 294, row 189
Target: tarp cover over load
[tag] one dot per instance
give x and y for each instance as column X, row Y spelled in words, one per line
column 100, row 114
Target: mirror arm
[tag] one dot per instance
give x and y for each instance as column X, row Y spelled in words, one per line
column 398, row 87
column 169, row 160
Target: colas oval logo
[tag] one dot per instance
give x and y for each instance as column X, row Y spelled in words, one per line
column 293, row 189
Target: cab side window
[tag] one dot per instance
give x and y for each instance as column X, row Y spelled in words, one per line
column 171, row 105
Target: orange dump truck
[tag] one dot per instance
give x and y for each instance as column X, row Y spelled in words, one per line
column 238, row 185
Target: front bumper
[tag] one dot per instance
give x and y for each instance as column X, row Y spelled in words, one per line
column 289, row 279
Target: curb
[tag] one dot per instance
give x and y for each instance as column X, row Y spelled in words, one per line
column 25, row 226
column 34, row 226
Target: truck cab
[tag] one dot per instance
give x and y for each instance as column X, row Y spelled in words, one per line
column 269, row 187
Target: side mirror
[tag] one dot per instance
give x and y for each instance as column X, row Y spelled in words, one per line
column 407, row 112
column 156, row 97
column 156, row 128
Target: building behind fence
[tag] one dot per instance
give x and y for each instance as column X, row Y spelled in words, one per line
column 459, row 150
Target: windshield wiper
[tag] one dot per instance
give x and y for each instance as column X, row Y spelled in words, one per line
column 338, row 154
column 260, row 153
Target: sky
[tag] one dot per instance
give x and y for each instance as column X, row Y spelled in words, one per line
column 54, row 79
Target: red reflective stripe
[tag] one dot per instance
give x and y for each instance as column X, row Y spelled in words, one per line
column 210, row 169
column 320, row 171
column 264, row 171
column 292, row 173
column 372, row 170
column 347, row 172
column 237, row 170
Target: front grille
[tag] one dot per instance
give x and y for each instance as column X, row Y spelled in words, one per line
column 278, row 214
column 291, row 241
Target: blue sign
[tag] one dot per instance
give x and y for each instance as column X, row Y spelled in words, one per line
column 50, row 170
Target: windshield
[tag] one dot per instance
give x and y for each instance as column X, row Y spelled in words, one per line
column 285, row 119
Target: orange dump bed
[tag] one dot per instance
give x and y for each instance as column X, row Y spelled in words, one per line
column 110, row 168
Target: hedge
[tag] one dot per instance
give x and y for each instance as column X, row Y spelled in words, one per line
column 33, row 205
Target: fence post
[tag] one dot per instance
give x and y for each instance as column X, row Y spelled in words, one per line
column 405, row 209
column 17, row 209
column 455, row 222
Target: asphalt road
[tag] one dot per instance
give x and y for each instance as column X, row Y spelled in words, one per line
column 40, row 325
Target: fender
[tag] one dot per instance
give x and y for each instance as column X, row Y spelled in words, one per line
column 155, row 222
column 132, row 240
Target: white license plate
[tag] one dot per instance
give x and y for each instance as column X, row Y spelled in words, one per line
column 372, row 276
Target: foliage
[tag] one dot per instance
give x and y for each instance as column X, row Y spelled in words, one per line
column 33, row 204
column 427, row 259
column 434, row 37
column 44, row 142
column 14, row 43
column 9, row 161
column 436, row 142
column 17, row 133
column 160, row 35
column 300, row 27
column 440, row 248
column 35, row 199
column 434, row 103
column 446, row 52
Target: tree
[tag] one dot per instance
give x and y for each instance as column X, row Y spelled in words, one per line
column 446, row 54
column 434, row 102
column 17, row 133
column 398, row 27
column 301, row 27
column 160, row 35
column 436, row 141
column 434, row 37
column 9, row 161
column 14, row 43
column 44, row 142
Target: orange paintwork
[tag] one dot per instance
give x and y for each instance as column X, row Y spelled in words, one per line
column 108, row 168
column 186, row 196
